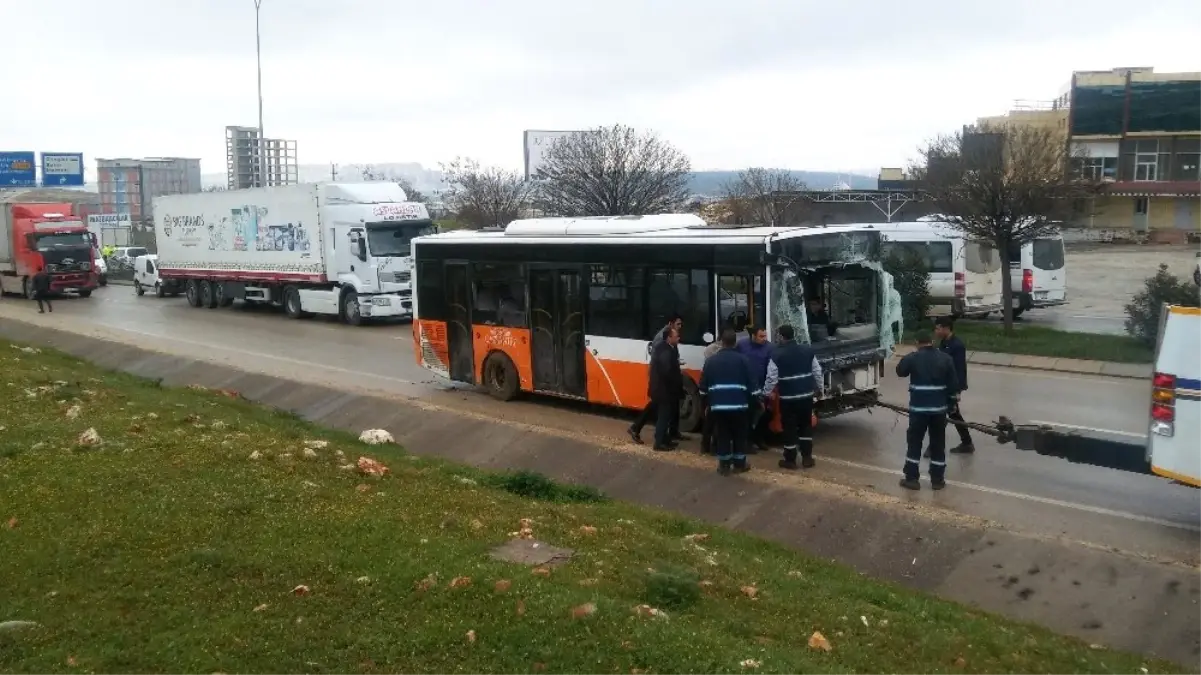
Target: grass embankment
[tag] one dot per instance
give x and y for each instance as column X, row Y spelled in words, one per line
column 1041, row 341
column 163, row 546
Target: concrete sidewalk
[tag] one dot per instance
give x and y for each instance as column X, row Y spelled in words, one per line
column 1101, row 596
column 1136, row 371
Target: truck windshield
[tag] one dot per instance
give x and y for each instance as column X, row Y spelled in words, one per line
column 46, row 242
column 391, row 240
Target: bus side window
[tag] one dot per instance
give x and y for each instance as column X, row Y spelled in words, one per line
column 684, row 292
column 431, row 291
column 498, row 295
column 615, row 302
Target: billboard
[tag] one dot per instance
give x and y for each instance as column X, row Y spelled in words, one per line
column 18, row 169
column 62, row 169
column 537, row 143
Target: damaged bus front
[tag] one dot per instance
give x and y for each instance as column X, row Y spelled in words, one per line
column 832, row 288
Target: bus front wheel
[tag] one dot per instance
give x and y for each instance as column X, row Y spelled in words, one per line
column 500, row 377
column 692, row 409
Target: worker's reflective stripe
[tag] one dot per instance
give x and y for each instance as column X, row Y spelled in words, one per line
column 934, row 463
column 927, row 387
column 791, row 447
column 805, row 438
column 910, row 460
column 756, row 392
column 720, row 408
column 792, row 397
column 717, row 387
column 796, row 377
column 929, row 411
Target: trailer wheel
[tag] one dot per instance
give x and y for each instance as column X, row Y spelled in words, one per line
column 221, row 296
column 102, row 280
column 85, row 292
column 207, row 298
column 292, row 306
column 692, row 409
column 138, row 288
column 500, row 377
column 192, row 290
column 350, row 309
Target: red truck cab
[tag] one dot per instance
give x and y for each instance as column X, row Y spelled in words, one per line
column 50, row 237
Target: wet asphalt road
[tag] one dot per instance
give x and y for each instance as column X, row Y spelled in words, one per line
column 1017, row 490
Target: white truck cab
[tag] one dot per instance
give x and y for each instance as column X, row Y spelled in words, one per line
column 1175, row 422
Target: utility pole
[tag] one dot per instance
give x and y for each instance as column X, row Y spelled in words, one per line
column 333, row 172
column 258, row 53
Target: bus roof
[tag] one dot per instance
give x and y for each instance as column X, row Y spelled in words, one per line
column 667, row 228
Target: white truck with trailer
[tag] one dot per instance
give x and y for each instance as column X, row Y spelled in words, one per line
column 341, row 249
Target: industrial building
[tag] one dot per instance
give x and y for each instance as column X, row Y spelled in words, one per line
column 1140, row 134
column 128, row 186
column 253, row 161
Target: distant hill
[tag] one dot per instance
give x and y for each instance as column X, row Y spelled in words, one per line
column 703, row 183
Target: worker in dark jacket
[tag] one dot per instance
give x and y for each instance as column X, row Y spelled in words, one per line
column 674, row 322
column 41, row 290
column 729, row 387
column 795, row 372
column 665, row 387
column 757, row 349
column 932, row 383
column 952, row 346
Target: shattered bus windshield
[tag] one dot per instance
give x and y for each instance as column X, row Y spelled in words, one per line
column 828, row 304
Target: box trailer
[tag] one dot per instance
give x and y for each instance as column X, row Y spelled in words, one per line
column 340, row 249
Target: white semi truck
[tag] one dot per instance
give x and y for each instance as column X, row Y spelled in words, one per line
column 340, row 249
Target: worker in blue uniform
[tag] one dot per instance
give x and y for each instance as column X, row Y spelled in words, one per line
column 795, row 372
column 952, row 346
column 729, row 388
column 932, row 386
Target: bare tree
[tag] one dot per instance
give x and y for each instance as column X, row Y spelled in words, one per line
column 484, row 196
column 1004, row 186
column 613, row 171
column 765, row 197
column 371, row 174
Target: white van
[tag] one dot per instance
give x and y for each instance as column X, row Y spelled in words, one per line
column 145, row 277
column 1038, row 274
column 965, row 275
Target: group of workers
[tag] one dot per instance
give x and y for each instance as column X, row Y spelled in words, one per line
column 740, row 376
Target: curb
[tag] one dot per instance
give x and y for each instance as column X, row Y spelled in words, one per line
column 1129, row 371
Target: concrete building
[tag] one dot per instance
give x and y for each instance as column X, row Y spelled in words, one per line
column 252, row 161
column 127, row 186
column 1142, row 133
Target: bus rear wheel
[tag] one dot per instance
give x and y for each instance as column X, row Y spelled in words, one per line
column 692, row 409
column 500, row 377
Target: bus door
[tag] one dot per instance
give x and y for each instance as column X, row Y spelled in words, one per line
column 458, row 323
column 740, row 301
column 557, row 331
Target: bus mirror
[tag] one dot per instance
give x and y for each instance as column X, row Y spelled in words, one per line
column 707, row 338
column 768, row 259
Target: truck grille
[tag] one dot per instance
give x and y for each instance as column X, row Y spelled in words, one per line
column 398, row 277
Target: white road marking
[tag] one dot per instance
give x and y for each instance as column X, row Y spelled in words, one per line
column 1099, row 510
column 1091, row 378
column 1077, row 427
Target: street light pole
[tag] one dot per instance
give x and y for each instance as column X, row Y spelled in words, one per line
column 258, row 54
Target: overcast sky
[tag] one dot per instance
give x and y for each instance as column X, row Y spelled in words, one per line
column 795, row 83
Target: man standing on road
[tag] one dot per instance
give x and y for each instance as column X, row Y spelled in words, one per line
column 729, row 387
column 796, row 371
column 41, row 291
column 665, row 387
column 758, row 352
column 674, row 322
column 932, row 382
column 952, row 346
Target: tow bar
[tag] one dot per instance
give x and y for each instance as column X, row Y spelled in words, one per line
column 1073, row 446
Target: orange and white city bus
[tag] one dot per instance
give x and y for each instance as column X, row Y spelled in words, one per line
column 568, row 306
